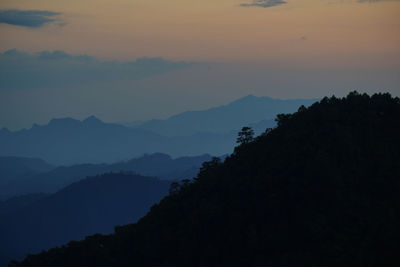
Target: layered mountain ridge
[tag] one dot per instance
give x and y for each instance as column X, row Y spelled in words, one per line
column 67, row 141
column 92, row 205
column 19, row 176
column 321, row 189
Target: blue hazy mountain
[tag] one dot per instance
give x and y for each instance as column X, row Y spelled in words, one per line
column 156, row 165
column 213, row 131
column 223, row 119
column 19, row 166
column 320, row 189
column 93, row 205
column 18, row 202
column 17, row 170
column 69, row 141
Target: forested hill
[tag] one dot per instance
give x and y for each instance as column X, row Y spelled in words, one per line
column 321, row 189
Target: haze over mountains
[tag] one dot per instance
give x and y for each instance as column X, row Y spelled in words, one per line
column 249, row 110
column 320, row 189
column 44, row 170
column 62, row 204
column 212, row 131
column 20, row 176
column 93, row 205
column 15, row 169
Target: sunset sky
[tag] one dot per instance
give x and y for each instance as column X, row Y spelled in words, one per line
column 213, row 51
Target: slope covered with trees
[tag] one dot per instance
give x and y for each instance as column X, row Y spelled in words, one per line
column 321, row 189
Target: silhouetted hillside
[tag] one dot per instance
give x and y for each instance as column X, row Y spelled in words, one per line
column 155, row 165
column 224, row 119
column 319, row 190
column 93, row 205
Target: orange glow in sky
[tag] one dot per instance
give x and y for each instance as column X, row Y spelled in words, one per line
column 299, row 32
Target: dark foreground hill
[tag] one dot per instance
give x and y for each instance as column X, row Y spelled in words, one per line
column 93, row 205
column 321, row 189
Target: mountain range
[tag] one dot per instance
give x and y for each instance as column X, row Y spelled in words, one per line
column 89, row 187
column 96, row 204
column 68, row 141
column 19, row 176
column 247, row 111
column 320, row 189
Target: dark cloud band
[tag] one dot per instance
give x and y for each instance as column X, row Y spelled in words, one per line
column 375, row 1
column 19, row 70
column 264, row 3
column 28, row 18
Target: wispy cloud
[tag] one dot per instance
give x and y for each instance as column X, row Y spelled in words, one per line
column 264, row 3
column 28, row 18
column 20, row 70
column 374, row 1
column 272, row 3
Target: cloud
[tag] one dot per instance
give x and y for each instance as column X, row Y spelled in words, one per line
column 28, row 18
column 374, row 1
column 272, row 3
column 20, row 70
column 264, row 3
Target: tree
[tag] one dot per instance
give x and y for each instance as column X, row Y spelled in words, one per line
column 208, row 165
column 282, row 118
column 246, row 135
column 174, row 188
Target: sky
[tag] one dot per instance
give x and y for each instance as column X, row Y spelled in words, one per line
column 128, row 60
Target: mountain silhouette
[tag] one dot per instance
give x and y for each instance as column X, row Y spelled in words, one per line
column 223, row 119
column 92, row 205
column 18, row 202
column 16, row 166
column 67, row 141
column 18, row 170
column 43, row 180
column 321, row 189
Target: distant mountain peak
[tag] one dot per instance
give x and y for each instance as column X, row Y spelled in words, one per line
column 63, row 121
column 92, row 119
column 248, row 110
column 157, row 156
column 249, row 96
column 70, row 121
column 250, row 99
column 4, row 130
